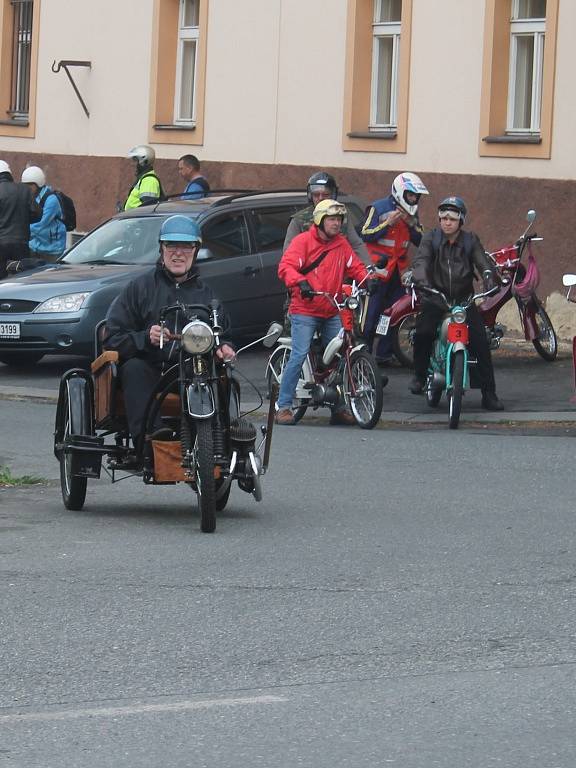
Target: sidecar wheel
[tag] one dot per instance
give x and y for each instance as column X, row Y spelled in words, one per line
column 205, row 483
column 76, row 420
column 457, row 391
column 276, row 365
column 546, row 344
column 364, row 379
column 403, row 340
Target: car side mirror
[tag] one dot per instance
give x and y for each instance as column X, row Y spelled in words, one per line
column 204, row 254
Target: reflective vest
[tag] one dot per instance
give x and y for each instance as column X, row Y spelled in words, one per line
column 394, row 245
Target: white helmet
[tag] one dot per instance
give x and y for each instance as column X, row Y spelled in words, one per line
column 408, row 182
column 33, row 175
column 144, row 154
column 4, row 167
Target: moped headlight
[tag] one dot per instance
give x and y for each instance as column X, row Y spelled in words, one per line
column 69, row 302
column 352, row 302
column 459, row 315
column 197, row 337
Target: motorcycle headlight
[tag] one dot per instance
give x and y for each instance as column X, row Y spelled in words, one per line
column 69, row 302
column 352, row 302
column 459, row 315
column 197, row 337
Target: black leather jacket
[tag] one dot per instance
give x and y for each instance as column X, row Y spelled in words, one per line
column 17, row 210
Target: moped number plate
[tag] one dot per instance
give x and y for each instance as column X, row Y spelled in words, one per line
column 458, row 332
column 9, row 330
column 383, row 325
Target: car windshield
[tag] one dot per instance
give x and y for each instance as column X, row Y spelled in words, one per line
column 119, row 241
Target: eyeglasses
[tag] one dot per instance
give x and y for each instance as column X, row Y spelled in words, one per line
column 449, row 216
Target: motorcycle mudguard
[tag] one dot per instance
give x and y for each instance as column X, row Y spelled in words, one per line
column 528, row 317
column 456, row 347
column 401, row 309
column 200, row 401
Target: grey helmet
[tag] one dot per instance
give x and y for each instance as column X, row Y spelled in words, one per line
column 143, row 154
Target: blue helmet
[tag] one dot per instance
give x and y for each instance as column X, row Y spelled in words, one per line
column 180, row 229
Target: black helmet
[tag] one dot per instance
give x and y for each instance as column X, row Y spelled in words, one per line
column 323, row 180
column 454, row 204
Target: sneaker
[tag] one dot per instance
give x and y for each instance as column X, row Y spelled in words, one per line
column 417, row 385
column 490, row 402
column 343, row 418
column 284, row 416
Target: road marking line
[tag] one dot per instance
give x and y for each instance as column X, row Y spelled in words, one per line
column 178, row 706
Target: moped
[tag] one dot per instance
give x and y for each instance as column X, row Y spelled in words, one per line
column 198, row 402
column 344, row 372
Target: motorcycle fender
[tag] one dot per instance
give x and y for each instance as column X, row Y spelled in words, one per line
column 401, row 309
column 528, row 316
column 358, row 347
column 456, row 347
column 199, row 401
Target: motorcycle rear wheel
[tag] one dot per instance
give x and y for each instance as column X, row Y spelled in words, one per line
column 403, row 340
column 205, row 482
column 457, row 391
column 546, row 344
column 365, row 379
column 276, row 365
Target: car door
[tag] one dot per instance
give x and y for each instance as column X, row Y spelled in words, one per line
column 269, row 225
column 228, row 263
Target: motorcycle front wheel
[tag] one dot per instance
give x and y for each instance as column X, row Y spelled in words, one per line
column 276, row 365
column 205, row 482
column 76, row 421
column 457, row 391
column 546, row 344
column 363, row 385
column 403, row 340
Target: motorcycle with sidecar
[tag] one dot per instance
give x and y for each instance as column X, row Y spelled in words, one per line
column 197, row 399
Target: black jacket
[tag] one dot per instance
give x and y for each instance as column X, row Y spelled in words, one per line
column 17, row 209
column 450, row 267
column 137, row 309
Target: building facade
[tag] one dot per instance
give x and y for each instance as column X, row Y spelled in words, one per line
column 473, row 95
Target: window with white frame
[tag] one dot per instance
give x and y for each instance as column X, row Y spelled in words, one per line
column 527, row 35
column 385, row 58
column 188, row 32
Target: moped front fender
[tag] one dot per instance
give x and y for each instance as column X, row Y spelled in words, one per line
column 528, row 317
column 200, row 401
column 457, row 346
column 402, row 308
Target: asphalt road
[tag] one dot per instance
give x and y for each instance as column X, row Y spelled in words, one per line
column 398, row 598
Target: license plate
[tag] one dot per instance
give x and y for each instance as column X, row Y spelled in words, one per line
column 9, row 330
column 383, row 325
column 458, row 332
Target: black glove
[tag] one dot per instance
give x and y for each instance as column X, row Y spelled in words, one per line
column 489, row 281
column 306, row 290
column 382, row 261
column 372, row 286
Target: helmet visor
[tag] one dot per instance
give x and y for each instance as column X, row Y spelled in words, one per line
column 448, row 213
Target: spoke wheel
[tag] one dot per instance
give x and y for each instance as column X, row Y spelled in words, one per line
column 276, row 365
column 363, row 384
column 75, row 422
column 403, row 340
column 205, row 483
column 546, row 344
column 457, row 390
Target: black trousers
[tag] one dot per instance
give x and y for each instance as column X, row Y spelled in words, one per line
column 11, row 252
column 138, row 379
column 427, row 323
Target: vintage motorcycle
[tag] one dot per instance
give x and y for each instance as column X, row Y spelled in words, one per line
column 517, row 282
column 344, row 372
column 569, row 281
column 450, row 362
column 197, row 399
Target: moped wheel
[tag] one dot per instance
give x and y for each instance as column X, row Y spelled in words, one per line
column 276, row 365
column 205, row 483
column 363, row 385
column 457, row 391
column 75, row 413
column 403, row 340
column 546, row 344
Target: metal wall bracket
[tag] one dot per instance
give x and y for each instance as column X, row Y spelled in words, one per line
column 64, row 64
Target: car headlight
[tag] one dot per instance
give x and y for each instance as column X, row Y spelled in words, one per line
column 459, row 316
column 197, row 337
column 69, row 302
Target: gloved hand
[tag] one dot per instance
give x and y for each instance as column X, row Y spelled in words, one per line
column 382, row 261
column 488, row 279
column 372, row 286
column 306, row 290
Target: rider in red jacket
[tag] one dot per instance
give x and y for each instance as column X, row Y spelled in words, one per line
column 317, row 260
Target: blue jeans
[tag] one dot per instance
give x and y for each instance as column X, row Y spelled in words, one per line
column 303, row 329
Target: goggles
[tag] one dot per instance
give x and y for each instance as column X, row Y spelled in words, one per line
column 335, row 210
column 314, row 188
column 448, row 214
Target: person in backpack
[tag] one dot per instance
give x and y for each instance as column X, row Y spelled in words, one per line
column 390, row 226
column 196, row 185
column 322, row 186
column 47, row 236
column 18, row 209
column 316, row 260
column 147, row 188
column 447, row 259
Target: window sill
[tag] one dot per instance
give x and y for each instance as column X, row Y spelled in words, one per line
column 173, row 127
column 16, row 123
column 372, row 135
column 512, row 139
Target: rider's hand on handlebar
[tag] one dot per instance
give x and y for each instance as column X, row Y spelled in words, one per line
column 382, row 261
column 306, row 290
column 156, row 331
column 226, row 353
